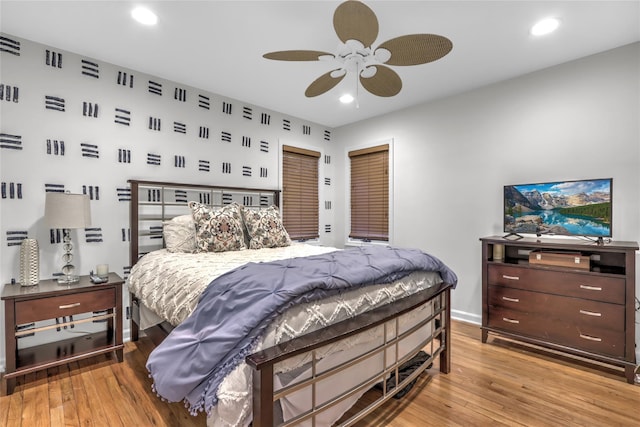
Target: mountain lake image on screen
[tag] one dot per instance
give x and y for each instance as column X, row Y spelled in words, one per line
column 575, row 208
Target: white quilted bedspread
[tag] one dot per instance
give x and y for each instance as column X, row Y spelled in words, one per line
column 170, row 283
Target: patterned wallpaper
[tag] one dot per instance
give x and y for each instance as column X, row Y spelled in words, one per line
column 78, row 124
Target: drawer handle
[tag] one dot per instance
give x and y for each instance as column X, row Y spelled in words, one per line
column 590, row 338
column 590, row 313
column 591, row 288
column 511, row 299
column 75, row 304
column 504, row 276
column 506, row 319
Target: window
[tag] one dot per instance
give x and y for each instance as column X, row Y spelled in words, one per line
column 370, row 193
column 300, row 192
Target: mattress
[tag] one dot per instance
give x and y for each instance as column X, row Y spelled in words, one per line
column 169, row 285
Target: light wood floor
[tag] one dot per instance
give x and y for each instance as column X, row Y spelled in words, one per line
column 499, row 383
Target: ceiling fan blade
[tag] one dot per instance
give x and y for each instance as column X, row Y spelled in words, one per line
column 296, row 55
column 414, row 49
column 322, row 84
column 385, row 82
column 353, row 20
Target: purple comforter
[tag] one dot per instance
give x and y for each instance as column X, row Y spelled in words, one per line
column 236, row 307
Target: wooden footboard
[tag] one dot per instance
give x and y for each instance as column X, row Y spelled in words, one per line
column 265, row 394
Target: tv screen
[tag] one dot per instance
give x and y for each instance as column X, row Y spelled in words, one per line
column 575, row 208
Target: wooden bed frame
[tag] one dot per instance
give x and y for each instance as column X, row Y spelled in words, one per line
column 167, row 198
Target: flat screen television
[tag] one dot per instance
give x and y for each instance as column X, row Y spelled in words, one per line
column 574, row 208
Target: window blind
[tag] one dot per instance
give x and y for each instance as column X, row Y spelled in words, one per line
column 370, row 193
column 300, row 192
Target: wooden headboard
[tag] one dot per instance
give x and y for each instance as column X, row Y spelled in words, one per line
column 153, row 202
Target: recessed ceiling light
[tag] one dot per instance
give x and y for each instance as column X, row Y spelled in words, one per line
column 346, row 98
column 144, row 16
column 545, row 26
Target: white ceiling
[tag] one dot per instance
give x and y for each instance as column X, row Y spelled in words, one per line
column 218, row 45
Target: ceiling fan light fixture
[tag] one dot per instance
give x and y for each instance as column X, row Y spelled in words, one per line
column 354, row 45
column 545, row 26
column 144, row 16
column 356, row 25
column 382, row 55
column 368, row 72
column 347, row 98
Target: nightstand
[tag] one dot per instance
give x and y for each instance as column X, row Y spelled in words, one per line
column 49, row 301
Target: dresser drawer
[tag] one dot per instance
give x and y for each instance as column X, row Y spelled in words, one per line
column 64, row 305
column 554, row 330
column 579, row 285
column 580, row 313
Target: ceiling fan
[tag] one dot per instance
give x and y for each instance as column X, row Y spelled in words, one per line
column 357, row 27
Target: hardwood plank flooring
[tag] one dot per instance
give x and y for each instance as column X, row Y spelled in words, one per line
column 501, row 383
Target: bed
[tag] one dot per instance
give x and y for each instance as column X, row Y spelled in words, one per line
column 305, row 363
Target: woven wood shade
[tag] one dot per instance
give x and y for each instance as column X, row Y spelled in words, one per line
column 370, row 193
column 300, row 192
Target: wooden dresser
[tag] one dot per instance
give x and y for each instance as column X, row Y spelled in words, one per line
column 585, row 309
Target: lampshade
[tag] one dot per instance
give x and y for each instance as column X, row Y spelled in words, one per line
column 66, row 210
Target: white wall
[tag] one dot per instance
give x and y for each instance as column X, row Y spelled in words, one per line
column 453, row 156
column 33, row 167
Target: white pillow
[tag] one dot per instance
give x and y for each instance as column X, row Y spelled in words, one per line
column 180, row 234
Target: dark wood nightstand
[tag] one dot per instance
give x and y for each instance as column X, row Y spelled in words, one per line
column 49, row 300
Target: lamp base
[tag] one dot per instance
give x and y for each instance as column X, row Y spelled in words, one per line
column 65, row 280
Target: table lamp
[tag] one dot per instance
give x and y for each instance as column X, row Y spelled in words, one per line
column 67, row 211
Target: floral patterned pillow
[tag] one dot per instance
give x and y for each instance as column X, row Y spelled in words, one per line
column 265, row 228
column 218, row 230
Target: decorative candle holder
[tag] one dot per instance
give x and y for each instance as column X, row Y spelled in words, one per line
column 102, row 270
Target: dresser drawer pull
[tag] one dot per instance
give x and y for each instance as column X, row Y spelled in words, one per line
column 75, row 304
column 511, row 299
column 591, row 288
column 506, row 319
column 504, row 276
column 590, row 313
column 590, row 338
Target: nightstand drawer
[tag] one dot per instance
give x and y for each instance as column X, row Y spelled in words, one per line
column 64, row 305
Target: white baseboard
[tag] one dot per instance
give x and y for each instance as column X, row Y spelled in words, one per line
column 476, row 319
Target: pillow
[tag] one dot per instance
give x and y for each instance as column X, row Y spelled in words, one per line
column 180, row 234
column 218, row 230
column 265, row 228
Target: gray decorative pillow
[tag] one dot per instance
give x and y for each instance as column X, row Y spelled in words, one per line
column 218, row 230
column 180, row 234
column 265, row 228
